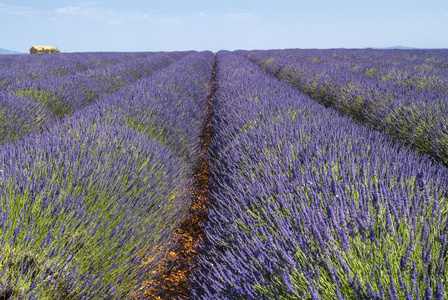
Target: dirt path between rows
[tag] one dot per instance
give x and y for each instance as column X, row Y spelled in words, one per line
column 173, row 284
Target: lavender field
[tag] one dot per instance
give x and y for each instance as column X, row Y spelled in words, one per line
column 327, row 176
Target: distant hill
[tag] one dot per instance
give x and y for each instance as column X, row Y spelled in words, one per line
column 5, row 51
column 400, row 47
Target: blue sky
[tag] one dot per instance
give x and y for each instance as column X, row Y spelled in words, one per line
column 155, row 25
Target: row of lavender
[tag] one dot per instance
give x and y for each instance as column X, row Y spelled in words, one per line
column 88, row 206
column 411, row 114
column 416, row 69
column 307, row 204
column 27, row 105
column 29, row 67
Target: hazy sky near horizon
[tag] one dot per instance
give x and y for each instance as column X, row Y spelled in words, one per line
column 156, row 25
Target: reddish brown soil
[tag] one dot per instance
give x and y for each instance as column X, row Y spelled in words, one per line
column 173, row 283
